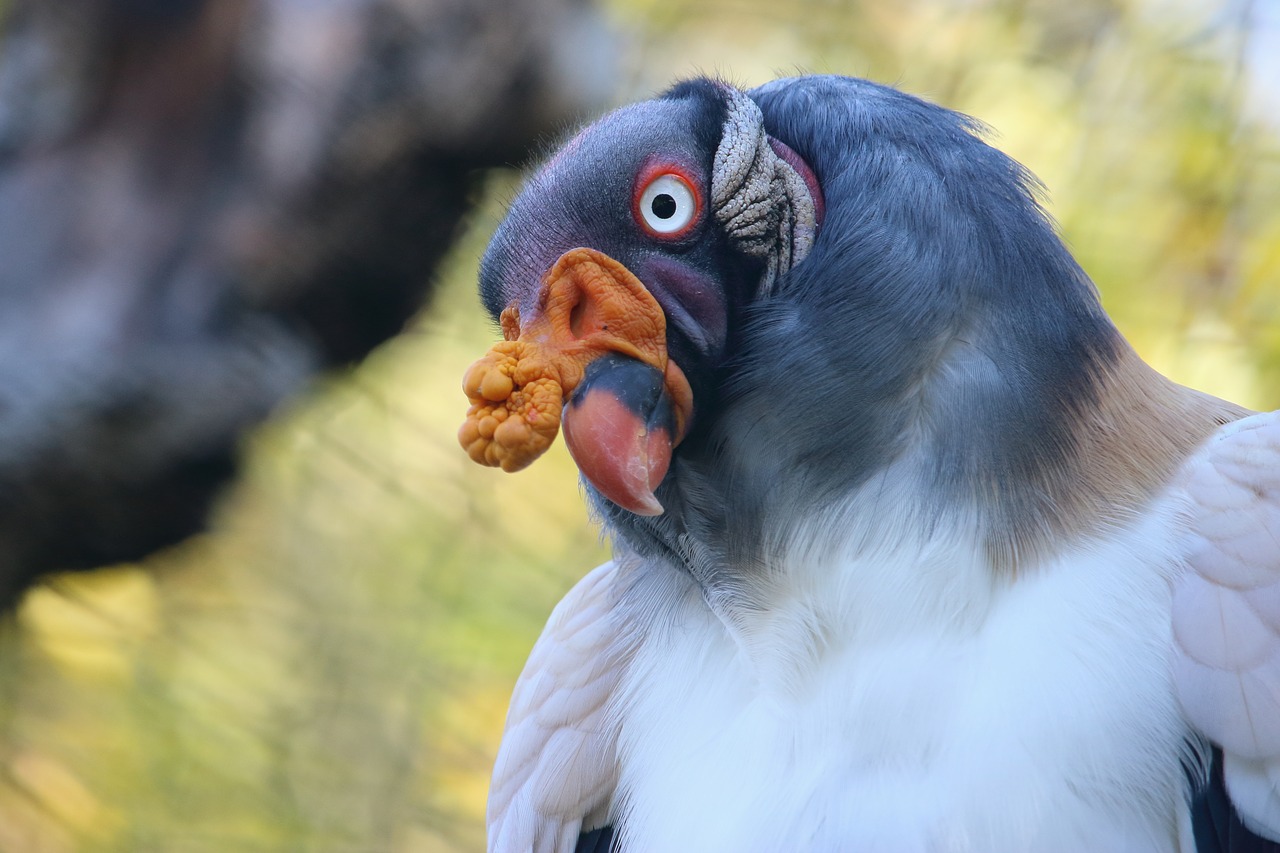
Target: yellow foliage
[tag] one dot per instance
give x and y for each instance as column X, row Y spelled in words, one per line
column 93, row 623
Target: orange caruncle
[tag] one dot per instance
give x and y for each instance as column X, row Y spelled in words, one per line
column 515, row 406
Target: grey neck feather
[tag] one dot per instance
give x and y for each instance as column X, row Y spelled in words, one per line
column 762, row 203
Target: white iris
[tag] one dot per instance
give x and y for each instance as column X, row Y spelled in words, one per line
column 668, row 204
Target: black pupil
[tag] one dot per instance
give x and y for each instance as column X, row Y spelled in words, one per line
column 664, row 206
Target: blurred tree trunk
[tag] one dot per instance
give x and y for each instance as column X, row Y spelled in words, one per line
column 202, row 202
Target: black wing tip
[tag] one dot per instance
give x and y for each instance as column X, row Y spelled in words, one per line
column 1215, row 823
column 596, row 841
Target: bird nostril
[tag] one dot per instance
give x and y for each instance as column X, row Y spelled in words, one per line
column 576, row 317
column 584, row 318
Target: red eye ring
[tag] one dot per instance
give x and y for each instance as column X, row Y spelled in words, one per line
column 667, row 202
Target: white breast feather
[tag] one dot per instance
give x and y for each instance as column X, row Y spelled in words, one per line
column 897, row 697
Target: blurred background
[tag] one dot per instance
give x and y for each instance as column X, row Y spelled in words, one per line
column 216, row 210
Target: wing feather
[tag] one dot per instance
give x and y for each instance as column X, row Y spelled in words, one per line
column 1226, row 616
column 556, row 768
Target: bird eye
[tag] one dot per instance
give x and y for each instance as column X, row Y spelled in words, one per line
column 667, row 206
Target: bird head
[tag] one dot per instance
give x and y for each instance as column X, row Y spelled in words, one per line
column 668, row 215
column 822, row 276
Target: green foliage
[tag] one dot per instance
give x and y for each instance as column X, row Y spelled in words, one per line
column 328, row 669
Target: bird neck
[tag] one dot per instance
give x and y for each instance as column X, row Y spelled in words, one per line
column 1116, row 443
column 752, row 510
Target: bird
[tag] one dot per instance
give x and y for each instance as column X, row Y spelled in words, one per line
column 911, row 550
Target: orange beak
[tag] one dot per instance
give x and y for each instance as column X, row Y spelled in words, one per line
column 597, row 341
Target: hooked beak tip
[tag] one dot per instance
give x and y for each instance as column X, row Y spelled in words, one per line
column 618, row 427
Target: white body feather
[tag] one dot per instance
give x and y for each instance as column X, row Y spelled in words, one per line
column 900, row 699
